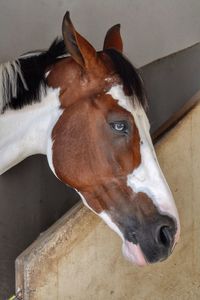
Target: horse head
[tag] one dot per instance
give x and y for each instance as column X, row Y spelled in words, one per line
column 101, row 145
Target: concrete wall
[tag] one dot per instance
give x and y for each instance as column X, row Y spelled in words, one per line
column 151, row 28
column 170, row 82
column 80, row 257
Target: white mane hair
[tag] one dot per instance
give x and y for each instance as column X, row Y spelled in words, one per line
column 21, row 80
column 9, row 72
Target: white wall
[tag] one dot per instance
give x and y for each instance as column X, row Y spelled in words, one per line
column 151, row 28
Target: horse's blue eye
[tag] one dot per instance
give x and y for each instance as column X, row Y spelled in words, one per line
column 120, row 126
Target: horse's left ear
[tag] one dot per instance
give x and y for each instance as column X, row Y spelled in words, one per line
column 79, row 48
column 113, row 39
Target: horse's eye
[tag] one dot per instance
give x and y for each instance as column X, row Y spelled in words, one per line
column 120, row 126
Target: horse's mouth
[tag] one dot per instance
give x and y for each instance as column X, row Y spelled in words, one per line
column 134, row 253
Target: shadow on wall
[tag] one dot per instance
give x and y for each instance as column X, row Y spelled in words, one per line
column 31, row 199
column 170, row 82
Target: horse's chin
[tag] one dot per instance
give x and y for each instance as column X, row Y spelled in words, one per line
column 133, row 253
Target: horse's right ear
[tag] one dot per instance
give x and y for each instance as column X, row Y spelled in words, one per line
column 113, row 39
column 79, row 48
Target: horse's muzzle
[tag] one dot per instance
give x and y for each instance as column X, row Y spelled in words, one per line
column 150, row 241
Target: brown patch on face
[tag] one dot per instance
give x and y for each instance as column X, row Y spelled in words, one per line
column 87, row 153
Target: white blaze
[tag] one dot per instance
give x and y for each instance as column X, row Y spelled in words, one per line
column 148, row 177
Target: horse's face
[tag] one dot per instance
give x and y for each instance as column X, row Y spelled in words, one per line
column 102, row 148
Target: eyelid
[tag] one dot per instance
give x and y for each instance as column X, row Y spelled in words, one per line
column 119, row 121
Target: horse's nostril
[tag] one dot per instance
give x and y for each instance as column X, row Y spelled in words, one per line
column 165, row 237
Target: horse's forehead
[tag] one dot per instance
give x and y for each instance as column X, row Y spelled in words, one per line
column 77, row 84
column 68, row 69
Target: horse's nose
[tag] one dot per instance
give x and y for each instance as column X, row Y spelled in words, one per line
column 155, row 237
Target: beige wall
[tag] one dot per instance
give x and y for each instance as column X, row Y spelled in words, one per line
column 79, row 258
column 151, row 28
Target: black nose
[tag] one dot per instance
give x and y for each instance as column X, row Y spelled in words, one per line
column 155, row 236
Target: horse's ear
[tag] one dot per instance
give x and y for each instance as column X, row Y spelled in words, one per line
column 79, row 48
column 113, row 39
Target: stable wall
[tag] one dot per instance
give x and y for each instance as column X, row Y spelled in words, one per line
column 150, row 29
column 79, row 257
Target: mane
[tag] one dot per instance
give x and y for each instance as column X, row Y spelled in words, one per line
column 130, row 76
column 22, row 80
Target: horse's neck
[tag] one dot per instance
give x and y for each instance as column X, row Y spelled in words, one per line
column 28, row 131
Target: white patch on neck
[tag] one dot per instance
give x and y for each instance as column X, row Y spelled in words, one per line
column 27, row 131
column 148, row 177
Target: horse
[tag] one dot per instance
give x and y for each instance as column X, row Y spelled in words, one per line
column 86, row 110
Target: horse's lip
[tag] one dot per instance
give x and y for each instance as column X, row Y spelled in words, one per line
column 134, row 253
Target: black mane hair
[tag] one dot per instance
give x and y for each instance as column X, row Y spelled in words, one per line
column 29, row 73
column 129, row 75
column 23, row 78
